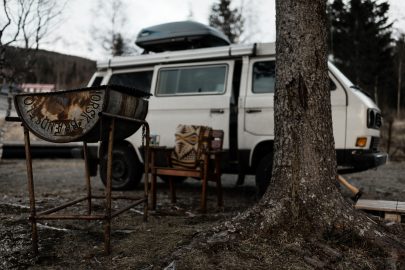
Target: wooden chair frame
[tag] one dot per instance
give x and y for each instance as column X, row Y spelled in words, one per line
column 208, row 169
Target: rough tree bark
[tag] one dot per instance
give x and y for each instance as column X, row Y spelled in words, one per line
column 303, row 193
column 303, row 200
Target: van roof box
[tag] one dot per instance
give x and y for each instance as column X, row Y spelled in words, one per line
column 179, row 36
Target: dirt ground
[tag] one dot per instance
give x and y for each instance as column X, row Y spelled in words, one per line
column 135, row 244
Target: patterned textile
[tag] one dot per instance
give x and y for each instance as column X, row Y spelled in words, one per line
column 191, row 142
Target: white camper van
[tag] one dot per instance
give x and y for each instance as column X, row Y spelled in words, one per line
column 228, row 87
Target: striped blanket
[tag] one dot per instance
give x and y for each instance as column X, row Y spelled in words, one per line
column 191, row 142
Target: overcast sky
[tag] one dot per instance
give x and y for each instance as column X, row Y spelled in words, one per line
column 73, row 36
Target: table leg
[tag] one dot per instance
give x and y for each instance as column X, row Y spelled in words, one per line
column 146, row 174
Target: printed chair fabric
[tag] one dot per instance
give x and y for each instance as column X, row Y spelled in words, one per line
column 190, row 143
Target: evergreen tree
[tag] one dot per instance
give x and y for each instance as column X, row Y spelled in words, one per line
column 360, row 44
column 108, row 29
column 229, row 21
column 399, row 57
column 118, row 45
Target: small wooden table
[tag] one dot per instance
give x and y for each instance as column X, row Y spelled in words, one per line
column 153, row 150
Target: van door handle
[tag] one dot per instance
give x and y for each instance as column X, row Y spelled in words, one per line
column 253, row 110
column 220, row 111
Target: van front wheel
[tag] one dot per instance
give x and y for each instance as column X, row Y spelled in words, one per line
column 127, row 171
column 263, row 174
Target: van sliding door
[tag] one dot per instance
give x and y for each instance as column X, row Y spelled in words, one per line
column 194, row 94
column 259, row 102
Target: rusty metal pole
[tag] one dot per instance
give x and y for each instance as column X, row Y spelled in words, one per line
column 30, row 178
column 146, row 175
column 107, row 226
column 88, row 183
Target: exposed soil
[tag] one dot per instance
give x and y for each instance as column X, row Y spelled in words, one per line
column 135, row 244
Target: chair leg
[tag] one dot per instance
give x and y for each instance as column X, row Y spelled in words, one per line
column 241, row 179
column 153, row 190
column 204, row 195
column 219, row 192
column 172, row 189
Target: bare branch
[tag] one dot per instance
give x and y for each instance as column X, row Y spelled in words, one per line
column 8, row 19
column 25, row 24
column 27, row 21
column 8, row 24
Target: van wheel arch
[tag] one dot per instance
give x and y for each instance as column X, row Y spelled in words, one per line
column 127, row 169
column 262, row 161
column 260, row 151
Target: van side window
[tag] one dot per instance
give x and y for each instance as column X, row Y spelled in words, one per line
column 192, row 80
column 97, row 81
column 264, row 77
column 141, row 80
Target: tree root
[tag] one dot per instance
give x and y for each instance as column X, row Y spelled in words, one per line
column 351, row 239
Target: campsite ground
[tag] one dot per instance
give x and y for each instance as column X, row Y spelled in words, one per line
column 135, row 245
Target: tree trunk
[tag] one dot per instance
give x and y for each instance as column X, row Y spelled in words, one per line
column 303, row 203
column 303, row 193
column 304, row 175
column 303, row 197
column 399, row 84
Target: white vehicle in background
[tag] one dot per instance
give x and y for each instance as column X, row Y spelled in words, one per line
column 197, row 78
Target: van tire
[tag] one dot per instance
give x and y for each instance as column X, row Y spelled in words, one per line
column 127, row 171
column 263, row 174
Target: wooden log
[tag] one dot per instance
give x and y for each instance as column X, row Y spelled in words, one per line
column 393, row 210
column 380, row 205
column 395, row 217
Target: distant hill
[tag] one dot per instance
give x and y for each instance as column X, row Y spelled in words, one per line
column 65, row 71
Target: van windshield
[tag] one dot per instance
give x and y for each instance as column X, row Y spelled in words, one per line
column 342, row 78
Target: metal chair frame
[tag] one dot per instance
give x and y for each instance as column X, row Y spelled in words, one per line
column 108, row 215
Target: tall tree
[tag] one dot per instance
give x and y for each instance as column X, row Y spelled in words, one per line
column 303, row 213
column 108, row 28
column 251, row 29
column 229, row 21
column 118, row 46
column 360, row 43
column 400, row 68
